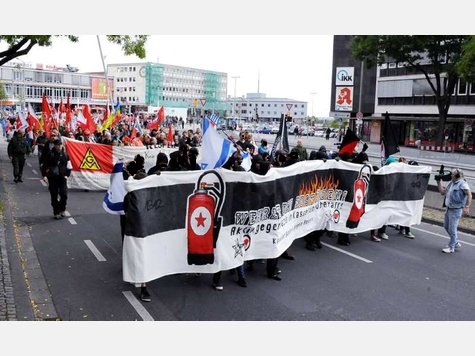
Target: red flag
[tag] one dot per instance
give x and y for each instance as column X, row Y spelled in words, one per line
column 91, row 125
column 18, row 123
column 68, row 113
column 161, row 115
column 160, row 118
column 46, row 114
column 349, row 142
column 170, row 134
column 33, row 122
column 61, row 107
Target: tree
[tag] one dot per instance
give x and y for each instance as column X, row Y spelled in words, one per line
column 439, row 58
column 20, row 45
column 466, row 66
column 3, row 96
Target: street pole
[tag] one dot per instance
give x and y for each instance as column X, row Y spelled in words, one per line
column 109, row 92
column 360, row 96
column 234, row 98
column 313, row 99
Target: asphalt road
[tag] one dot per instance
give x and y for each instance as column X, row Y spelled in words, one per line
column 71, row 270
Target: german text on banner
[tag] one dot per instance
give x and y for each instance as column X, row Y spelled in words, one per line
column 207, row 221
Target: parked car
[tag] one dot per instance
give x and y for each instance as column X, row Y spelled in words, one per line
column 274, row 129
column 264, row 130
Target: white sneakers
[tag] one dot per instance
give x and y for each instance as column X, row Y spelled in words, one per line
column 458, row 246
column 384, row 236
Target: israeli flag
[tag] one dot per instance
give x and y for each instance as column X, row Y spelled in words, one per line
column 246, row 161
column 113, row 201
column 215, row 149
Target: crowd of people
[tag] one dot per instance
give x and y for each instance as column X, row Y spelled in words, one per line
column 55, row 168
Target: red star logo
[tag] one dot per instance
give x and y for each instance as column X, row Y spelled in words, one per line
column 200, row 220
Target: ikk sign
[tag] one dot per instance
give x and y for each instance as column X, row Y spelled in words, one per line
column 345, row 75
column 344, row 99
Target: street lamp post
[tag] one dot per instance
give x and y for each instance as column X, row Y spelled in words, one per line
column 313, row 100
column 21, row 73
column 234, row 97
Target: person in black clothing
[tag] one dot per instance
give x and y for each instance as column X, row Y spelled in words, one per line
column 47, row 149
column 57, row 168
column 134, row 169
column 17, row 149
column 234, row 164
column 160, row 164
column 40, row 142
column 192, row 158
column 312, row 240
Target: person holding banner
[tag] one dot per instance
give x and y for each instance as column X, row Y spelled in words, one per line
column 134, row 169
column 233, row 164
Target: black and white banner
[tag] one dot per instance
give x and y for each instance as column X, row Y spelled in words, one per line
column 207, row 221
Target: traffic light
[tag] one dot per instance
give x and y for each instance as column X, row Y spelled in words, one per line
column 288, row 118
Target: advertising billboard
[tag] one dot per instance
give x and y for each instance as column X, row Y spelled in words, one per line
column 344, row 99
column 99, row 88
column 345, row 75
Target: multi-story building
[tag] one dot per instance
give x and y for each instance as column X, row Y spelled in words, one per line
column 138, row 86
column 145, row 85
column 406, row 95
column 25, row 83
column 257, row 107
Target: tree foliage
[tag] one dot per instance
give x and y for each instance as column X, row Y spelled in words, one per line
column 3, row 93
column 438, row 58
column 21, row 45
column 466, row 66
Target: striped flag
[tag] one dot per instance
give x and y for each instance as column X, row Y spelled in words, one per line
column 113, row 201
column 215, row 149
column 213, row 118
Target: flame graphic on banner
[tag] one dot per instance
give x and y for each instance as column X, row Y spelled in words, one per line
column 324, row 184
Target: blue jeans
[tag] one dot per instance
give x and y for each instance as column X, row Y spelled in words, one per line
column 451, row 220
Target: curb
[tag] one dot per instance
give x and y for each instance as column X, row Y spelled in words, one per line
column 440, row 223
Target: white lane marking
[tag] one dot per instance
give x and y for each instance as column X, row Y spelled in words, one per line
column 95, row 251
column 139, row 308
column 43, row 183
column 347, row 253
column 34, row 171
column 28, row 164
column 443, row 236
column 71, row 220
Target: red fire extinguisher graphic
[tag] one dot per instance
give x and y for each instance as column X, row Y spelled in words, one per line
column 202, row 220
column 360, row 189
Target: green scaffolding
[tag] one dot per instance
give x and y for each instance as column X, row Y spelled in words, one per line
column 153, row 84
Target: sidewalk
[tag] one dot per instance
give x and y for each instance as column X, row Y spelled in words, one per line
column 436, row 217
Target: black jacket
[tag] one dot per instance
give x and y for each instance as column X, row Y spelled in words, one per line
column 56, row 164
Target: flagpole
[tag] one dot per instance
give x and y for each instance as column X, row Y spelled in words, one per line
column 282, row 136
column 109, row 93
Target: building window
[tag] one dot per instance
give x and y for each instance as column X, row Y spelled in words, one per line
column 462, row 87
column 472, row 88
